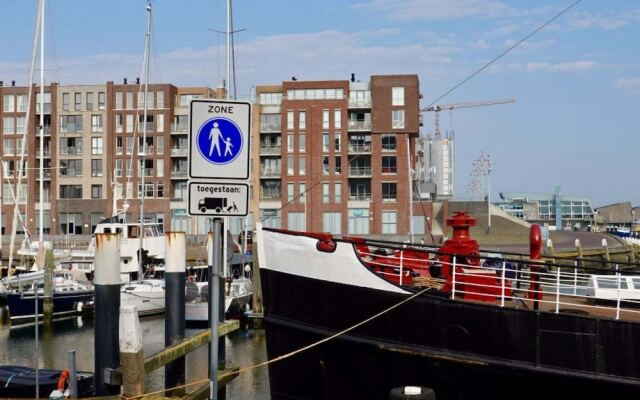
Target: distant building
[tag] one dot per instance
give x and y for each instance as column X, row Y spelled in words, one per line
column 434, row 167
column 615, row 215
column 576, row 212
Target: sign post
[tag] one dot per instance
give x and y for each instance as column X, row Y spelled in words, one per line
column 219, row 149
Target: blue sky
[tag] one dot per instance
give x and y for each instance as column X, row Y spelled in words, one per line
column 576, row 83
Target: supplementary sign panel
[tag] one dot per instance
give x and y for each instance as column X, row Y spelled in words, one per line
column 219, row 133
column 218, row 199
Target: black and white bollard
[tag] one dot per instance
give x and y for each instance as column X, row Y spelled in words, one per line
column 174, row 325
column 107, row 305
column 131, row 352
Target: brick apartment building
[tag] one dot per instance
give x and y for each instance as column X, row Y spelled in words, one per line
column 326, row 156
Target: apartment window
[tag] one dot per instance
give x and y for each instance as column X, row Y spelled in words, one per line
column 118, row 171
column 290, row 120
column 160, row 186
column 21, row 101
column 70, row 168
column 388, row 142
column 129, row 101
column 302, row 120
column 119, row 142
column 389, row 190
column 337, row 119
column 160, row 145
column 96, row 167
column 325, row 119
column 325, row 193
column 185, row 99
column 160, row 168
column 97, row 147
column 359, row 221
column 301, row 142
column 77, row 101
column 96, row 123
column 96, row 191
column 129, row 122
column 325, row 165
column 7, row 147
column 325, row 142
column 150, row 99
column 337, row 192
column 296, row 221
column 8, row 103
column 21, row 125
column 302, row 168
column 129, row 145
column 8, row 125
column 102, row 100
column 119, row 127
column 71, row 123
column 290, row 192
column 71, row 191
column 331, row 222
column 129, row 171
column 397, row 119
column 389, row 222
column 160, row 102
column 338, row 165
column 389, row 165
column 290, row 167
column 302, row 188
column 336, row 142
column 89, row 101
column 270, row 98
column 290, row 145
column 160, row 123
column 119, row 101
column 65, row 101
column 71, row 146
column 397, row 96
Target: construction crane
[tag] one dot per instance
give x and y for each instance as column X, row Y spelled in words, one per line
column 442, row 107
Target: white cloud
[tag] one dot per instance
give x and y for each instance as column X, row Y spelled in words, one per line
column 627, row 83
column 405, row 10
column 573, row 66
column 578, row 20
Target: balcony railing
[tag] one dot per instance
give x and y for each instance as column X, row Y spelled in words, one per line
column 359, row 171
column 359, row 125
column 71, row 151
column 270, row 127
column 264, row 172
column 273, row 195
column 270, row 149
column 47, row 152
column 179, row 151
column 147, row 171
column 150, row 126
column 179, row 128
column 71, row 128
column 178, row 173
column 360, row 103
column 359, row 148
column 360, row 196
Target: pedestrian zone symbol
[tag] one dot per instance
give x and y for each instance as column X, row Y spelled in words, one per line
column 219, row 140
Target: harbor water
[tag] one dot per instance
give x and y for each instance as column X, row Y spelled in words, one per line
column 243, row 348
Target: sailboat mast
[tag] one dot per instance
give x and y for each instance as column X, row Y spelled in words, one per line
column 228, row 49
column 41, row 216
column 142, row 156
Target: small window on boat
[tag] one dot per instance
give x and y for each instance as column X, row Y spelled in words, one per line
column 107, row 230
column 130, row 288
column 611, row 282
column 636, row 283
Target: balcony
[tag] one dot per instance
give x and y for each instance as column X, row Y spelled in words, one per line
column 359, row 103
column 359, row 171
column 360, row 196
column 179, row 151
column 359, row 148
column 47, row 152
column 147, row 172
column 178, row 173
column 270, row 195
column 179, row 128
column 47, row 108
column 359, row 125
column 71, row 151
column 71, row 128
column 270, row 150
column 146, row 127
column 270, row 127
column 270, row 172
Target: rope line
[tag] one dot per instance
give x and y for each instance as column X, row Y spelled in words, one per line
column 290, row 354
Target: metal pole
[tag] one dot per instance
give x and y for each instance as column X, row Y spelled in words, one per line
column 453, row 280
column 214, row 298
column 228, row 49
column 174, row 326
column 73, row 376
column 41, row 237
column 107, row 307
column 35, row 295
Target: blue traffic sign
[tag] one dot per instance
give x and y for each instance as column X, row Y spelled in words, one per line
column 219, row 140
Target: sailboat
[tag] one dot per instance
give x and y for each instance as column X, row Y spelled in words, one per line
column 71, row 290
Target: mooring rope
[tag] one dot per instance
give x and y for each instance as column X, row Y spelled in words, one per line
column 290, row 354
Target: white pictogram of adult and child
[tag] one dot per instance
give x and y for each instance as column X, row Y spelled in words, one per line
column 215, row 136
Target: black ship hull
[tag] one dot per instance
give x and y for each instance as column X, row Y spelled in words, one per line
column 461, row 350
column 22, row 307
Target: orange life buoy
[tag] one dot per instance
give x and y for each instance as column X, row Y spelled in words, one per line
column 62, row 381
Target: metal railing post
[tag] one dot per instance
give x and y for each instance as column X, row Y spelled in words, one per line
column 575, row 278
column 504, row 265
column 557, row 289
column 401, row 253
column 453, row 280
column 618, row 292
